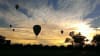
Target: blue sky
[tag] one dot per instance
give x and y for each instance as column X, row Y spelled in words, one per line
column 29, row 10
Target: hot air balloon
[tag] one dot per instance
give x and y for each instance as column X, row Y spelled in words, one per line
column 36, row 29
column 10, row 26
column 16, row 6
column 13, row 30
column 62, row 31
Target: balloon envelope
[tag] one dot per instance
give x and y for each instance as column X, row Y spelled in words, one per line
column 36, row 29
column 62, row 31
column 10, row 26
column 17, row 6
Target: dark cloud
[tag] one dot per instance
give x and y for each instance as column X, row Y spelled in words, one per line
column 4, row 7
column 96, row 22
column 24, row 11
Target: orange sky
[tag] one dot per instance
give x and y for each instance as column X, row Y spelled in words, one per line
column 48, row 36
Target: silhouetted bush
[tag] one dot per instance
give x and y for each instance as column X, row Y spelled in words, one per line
column 96, row 39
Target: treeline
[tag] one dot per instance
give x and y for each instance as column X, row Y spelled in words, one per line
column 5, row 44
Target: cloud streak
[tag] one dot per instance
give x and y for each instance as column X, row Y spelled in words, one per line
column 53, row 17
column 41, row 12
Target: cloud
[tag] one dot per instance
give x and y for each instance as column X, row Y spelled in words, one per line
column 3, row 22
column 36, row 12
column 95, row 23
column 50, row 16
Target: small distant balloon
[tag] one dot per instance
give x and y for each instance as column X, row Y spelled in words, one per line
column 62, row 31
column 16, row 6
column 10, row 26
column 36, row 29
column 13, row 30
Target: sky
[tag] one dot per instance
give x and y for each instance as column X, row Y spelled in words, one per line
column 52, row 15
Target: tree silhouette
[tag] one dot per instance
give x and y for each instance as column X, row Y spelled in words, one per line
column 96, row 39
column 3, row 41
column 67, row 40
column 71, row 33
column 78, row 38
